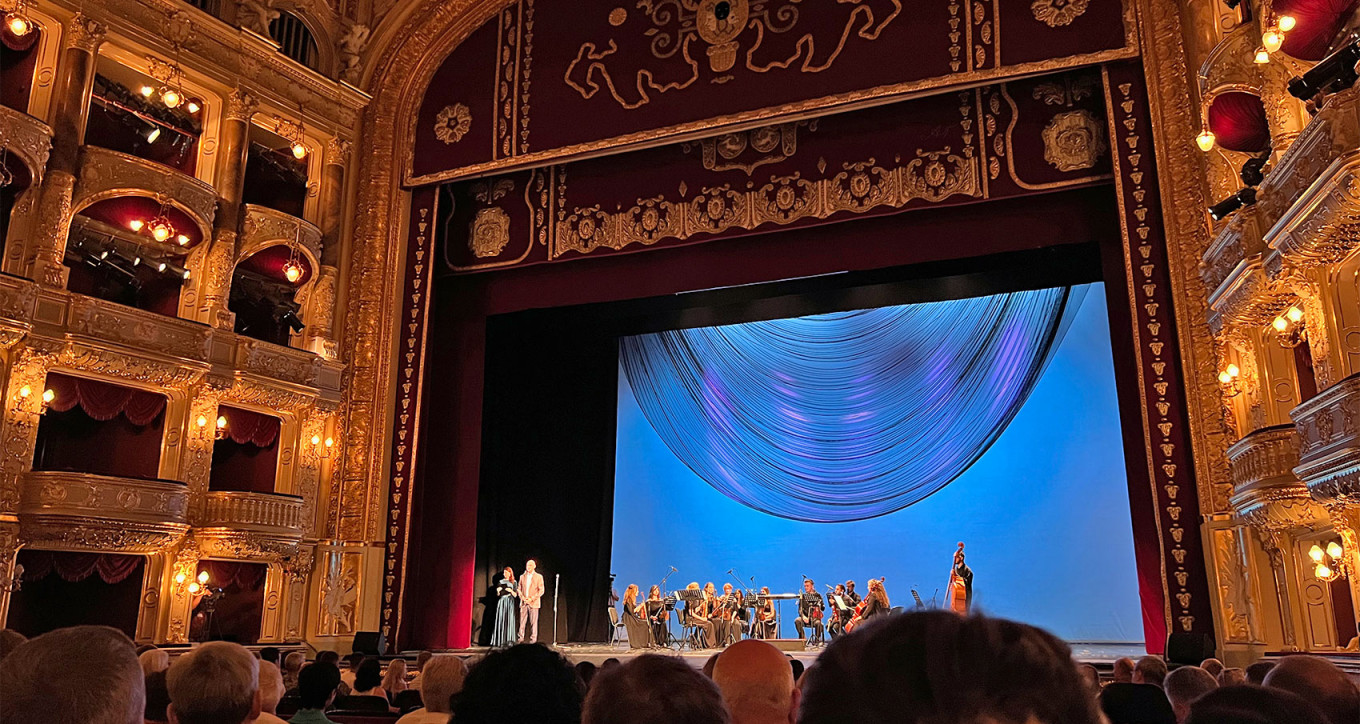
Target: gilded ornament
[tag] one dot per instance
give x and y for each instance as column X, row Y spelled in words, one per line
column 490, row 232
column 1074, row 140
column 1055, row 13
column 618, row 16
column 452, row 123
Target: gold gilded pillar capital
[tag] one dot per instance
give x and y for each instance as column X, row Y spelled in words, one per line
column 85, row 33
column 337, row 151
column 240, row 106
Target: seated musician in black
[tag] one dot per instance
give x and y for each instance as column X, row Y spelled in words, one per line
column 658, row 617
column 727, row 624
column 764, row 626
column 851, row 597
column 810, row 609
column 840, row 613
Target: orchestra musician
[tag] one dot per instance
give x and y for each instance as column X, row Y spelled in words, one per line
column 841, row 610
column 657, row 616
column 851, row 597
column 960, row 596
column 873, row 605
column 764, row 625
column 810, row 610
column 639, row 634
column 724, row 617
column 698, row 614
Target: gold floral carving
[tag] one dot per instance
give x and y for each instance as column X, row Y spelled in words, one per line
column 85, row 33
column 489, row 232
column 1073, row 140
column 1056, row 13
column 766, row 145
column 26, row 137
column 452, row 123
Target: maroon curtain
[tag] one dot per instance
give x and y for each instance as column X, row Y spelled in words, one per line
column 241, row 575
column 72, row 566
column 246, row 427
column 1238, row 120
column 18, row 60
column 103, row 401
column 1318, row 22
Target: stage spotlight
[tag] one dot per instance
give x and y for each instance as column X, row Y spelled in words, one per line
column 147, row 91
column 1220, row 210
column 136, row 224
column 171, row 98
column 1253, row 171
column 290, row 318
column 153, row 135
column 1334, row 72
column 299, row 150
column 174, row 270
column 193, row 107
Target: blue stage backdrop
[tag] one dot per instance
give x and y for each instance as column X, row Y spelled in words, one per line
column 866, row 444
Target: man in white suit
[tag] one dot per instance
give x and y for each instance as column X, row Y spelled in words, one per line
column 530, row 595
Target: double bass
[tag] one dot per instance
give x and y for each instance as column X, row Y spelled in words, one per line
column 858, row 616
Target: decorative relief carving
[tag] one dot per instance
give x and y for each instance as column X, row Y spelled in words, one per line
column 26, row 137
column 1056, row 13
column 85, row 33
column 1233, row 588
column 55, row 493
column 748, row 150
column 452, row 123
column 142, row 330
column 277, row 362
column 340, row 595
column 265, row 227
column 489, row 233
column 105, row 174
column 1329, row 443
column 1073, row 140
column 240, row 106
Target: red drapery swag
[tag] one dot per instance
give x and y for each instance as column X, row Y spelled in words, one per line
column 246, row 576
column 103, row 401
column 246, row 427
column 1238, row 119
column 73, row 567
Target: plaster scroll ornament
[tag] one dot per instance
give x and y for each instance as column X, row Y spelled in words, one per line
column 256, row 15
column 351, row 45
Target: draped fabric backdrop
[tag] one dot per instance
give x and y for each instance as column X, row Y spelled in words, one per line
column 851, row 415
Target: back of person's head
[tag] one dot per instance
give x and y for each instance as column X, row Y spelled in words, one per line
column 355, row 659
column 316, row 685
column 941, row 668
column 441, row 678
column 524, row 683
column 756, row 682
column 1320, row 682
column 271, row 686
column 1091, row 675
column 586, row 670
column 797, row 667
column 1213, row 666
column 154, row 660
column 1186, row 684
column 709, row 663
column 1256, row 673
column 423, row 658
column 293, row 662
column 395, row 675
column 1149, row 670
column 9, row 641
column 1232, row 677
column 216, row 683
column 328, row 657
column 270, row 654
column 157, row 698
column 85, row 674
column 1123, row 670
column 1136, row 704
column 369, row 675
column 1253, row 705
column 653, row 689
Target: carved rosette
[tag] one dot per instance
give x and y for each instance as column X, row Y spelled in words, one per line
column 1074, row 140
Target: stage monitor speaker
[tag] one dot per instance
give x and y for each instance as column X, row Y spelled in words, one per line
column 370, row 643
column 1189, row 649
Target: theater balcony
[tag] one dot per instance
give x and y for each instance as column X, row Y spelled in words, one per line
column 1265, row 489
column 26, row 142
column 92, row 323
column 1329, row 444
column 231, row 515
column 275, row 276
column 105, row 173
column 83, row 511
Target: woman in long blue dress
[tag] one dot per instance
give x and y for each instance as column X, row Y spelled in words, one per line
column 507, row 593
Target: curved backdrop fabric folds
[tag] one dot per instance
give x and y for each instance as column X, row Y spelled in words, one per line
column 850, row 415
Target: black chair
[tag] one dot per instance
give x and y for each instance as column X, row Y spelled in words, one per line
column 407, row 701
column 360, row 704
column 288, row 706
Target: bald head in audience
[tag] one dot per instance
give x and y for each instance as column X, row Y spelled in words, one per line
column 757, row 683
column 1186, row 685
column 1256, row 673
column 216, row 683
column 85, row 674
column 1320, row 682
column 654, row 689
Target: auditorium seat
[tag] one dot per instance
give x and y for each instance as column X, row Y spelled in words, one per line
column 361, row 704
column 360, row 717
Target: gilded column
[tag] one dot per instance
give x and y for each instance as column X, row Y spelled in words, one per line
column 233, row 147
column 1277, row 547
column 70, row 111
column 321, row 309
column 9, row 550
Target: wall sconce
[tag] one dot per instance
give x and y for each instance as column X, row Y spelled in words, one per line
column 1330, row 562
column 324, row 448
column 195, row 587
column 1290, row 328
column 221, row 427
column 25, row 392
column 1231, row 380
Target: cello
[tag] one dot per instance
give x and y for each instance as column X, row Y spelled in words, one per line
column 858, row 616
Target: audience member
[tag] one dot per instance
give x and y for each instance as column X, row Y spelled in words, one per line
column 756, row 682
column 405, row 702
column 270, row 654
column 609, row 663
column 10, row 640
column 1319, row 682
column 157, row 709
column 421, row 659
column 1187, row 684
column 1232, row 677
column 271, row 690
column 586, row 670
column 1091, row 675
column 655, row 689
column 1256, row 673
column 1136, row 704
column 524, row 683
column 328, row 657
column 1150, row 670
column 394, row 681
column 154, row 660
column 797, row 667
column 709, row 663
column 941, row 668
column 1253, row 705
column 216, row 683
column 292, row 664
column 355, row 660
column 84, row 674
column 1123, row 670
column 368, row 679
column 1213, row 666
column 316, row 690
column 441, row 678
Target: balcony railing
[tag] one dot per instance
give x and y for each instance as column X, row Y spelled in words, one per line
column 82, row 510
column 1265, row 491
column 27, row 137
column 265, row 226
column 272, row 514
column 105, row 173
column 1329, row 441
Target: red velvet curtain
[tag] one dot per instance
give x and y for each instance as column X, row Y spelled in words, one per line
column 241, row 574
column 103, row 401
column 72, row 566
column 1238, row 120
column 246, row 427
column 1318, row 22
column 17, row 63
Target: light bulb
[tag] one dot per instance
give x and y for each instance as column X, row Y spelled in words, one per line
column 25, row 392
column 1294, row 314
column 161, row 266
column 316, row 439
column 330, row 442
column 18, row 24
column 299, row 151
column 1315, row 553
column 186, row 274
column 147, row 91
column 1205, row 140
column 221, row 422
column 1262, row 56
column 1224, row 377
column 136, row 224
column 201, row 421
column 203, row 577
column 153, row 135
column 1280, row 324
column 1272, row 40
column 1287, row 23
column 180, row 577
column 136, row 260
column 292, row 271
column 1334, row 550
column 1323, row 571
column 182, row 239
column 1233, row 370
column 193, row 107
column 194, row 587
column 171, row 98
column 160, row 232
column 49, row 395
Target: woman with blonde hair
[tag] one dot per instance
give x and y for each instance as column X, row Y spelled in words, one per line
column 698, row 614
column 394, row 681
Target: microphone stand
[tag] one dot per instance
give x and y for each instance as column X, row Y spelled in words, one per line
column 557, row 581
column 670, row 632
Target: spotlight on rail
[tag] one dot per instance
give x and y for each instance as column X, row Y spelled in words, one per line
column 1253, row 171
column 1333, row 73
column 1221, row 210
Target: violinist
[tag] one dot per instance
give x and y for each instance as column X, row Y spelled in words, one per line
column 698, row 614
column 841, row 610
column 764, row 626
column 657, row 615
column 810, row 609
column 639, row 635
column 724, row 617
